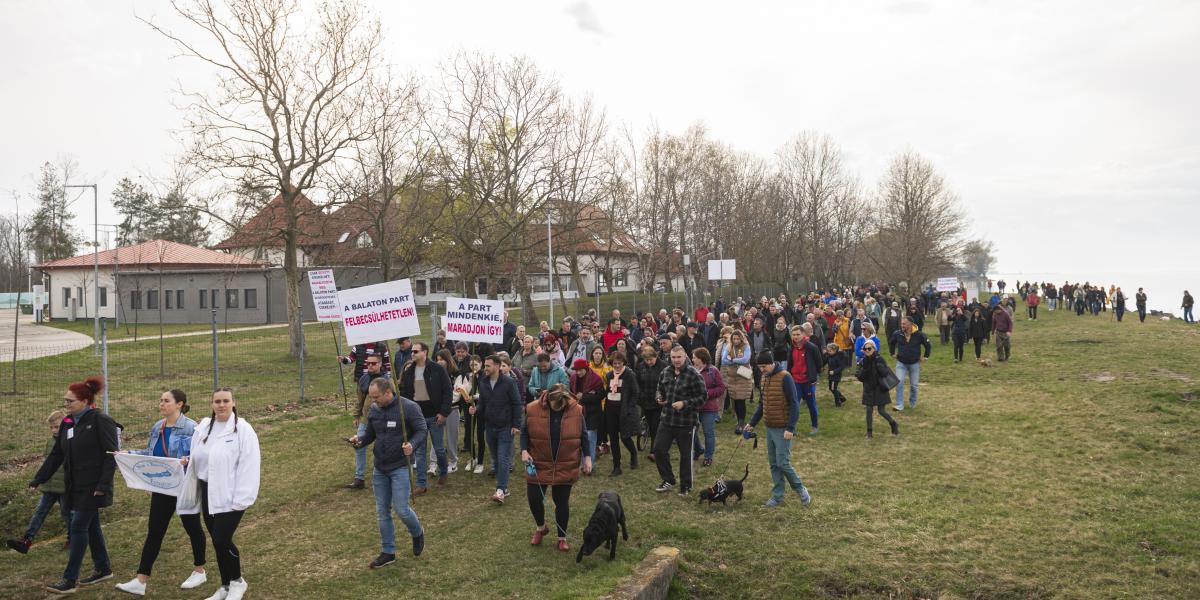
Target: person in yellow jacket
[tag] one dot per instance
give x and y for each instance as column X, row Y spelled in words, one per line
column 842, row 336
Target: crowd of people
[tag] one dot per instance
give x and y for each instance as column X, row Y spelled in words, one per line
column 563, row 396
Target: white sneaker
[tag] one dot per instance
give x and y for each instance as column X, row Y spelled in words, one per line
column 196, row 579
column 221, row 594
column 237, row 589
column 133, row 586
column 478, row 469
column 470, row 465
column 433, row 469
column 498, row 497
column 452, row 468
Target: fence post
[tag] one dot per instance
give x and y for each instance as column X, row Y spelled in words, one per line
column 302, row 351
column 104, row 359
column 216, row 371
column 337, row 346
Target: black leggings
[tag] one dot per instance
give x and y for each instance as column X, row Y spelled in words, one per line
column 612, row 423
column 739, row 409
column 162, row 507
column 960, row 340
column 652, row 416
column 221, row 528
column 882, row 412
column 562, row 505
column 476, row 432
column 978, row 347
column 834, row 382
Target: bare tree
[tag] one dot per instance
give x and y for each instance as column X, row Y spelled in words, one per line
column 919, row 225
column 291, row 100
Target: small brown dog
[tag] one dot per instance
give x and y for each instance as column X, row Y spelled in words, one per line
column 985, row 362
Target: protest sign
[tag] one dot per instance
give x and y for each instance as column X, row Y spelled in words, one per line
column 720, row 270
column 151, row 473
column 947, row 284
column 379, row 312
column 474, row 320
column 324, row 295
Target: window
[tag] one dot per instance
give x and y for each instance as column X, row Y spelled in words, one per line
column 103, row 297
column 179, row 299
column 251, row 298
column 151, row 299
column 203, row 298
column 79, row 296
column 620, row 278
column 66, row 297
column 215, row 297
column 422, row 287
column 231, row 298
column 364, row 241
column 441, row 285
column 169, row 297
column 345, row 236
column 135, row 300
column 503, row 285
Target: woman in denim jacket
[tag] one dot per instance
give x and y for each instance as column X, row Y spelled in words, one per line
column 171, row 437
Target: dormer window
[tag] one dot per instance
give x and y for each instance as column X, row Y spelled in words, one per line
column 345, row 236
column 363, row 241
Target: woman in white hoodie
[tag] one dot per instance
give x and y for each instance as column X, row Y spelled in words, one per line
column 223, row 475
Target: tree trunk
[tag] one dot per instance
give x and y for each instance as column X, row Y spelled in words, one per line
column 291, row 291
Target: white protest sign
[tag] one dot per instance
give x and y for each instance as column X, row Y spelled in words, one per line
column 151, row 473
column 947, row 284
column 474, row 320
column 378, row 312
column 719, row 270
column 324, row 295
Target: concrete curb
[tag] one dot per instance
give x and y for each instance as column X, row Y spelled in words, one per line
column 651, row 578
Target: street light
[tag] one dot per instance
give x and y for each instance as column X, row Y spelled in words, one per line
column 95, row 257
column 550, row 260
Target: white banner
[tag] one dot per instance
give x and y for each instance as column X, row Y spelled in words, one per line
column 379, row 312
column 947, row 284
column 719, row 270
column 151, row 473
column 474, row 320
column 324, row 295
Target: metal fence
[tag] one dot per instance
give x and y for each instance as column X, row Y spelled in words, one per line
column 254, row 361
column 632, row 303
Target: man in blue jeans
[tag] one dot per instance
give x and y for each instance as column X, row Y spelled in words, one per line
column 374, row 368
column 396, row 426
column 803, row 362
column 780, row 406
column 906, row 347
column 500, row 409
column 428, row 384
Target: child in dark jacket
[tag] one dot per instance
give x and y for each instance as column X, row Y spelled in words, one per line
column 52, row 491
column 836, row 361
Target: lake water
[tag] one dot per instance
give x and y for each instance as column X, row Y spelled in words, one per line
column 1164, row 289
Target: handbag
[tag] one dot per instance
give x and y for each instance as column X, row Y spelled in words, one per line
column 745, row 372
column 889, row 380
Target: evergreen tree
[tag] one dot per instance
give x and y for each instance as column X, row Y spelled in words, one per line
column 50, row 232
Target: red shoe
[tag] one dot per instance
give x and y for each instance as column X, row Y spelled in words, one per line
column 562, row 545
column 538, row 534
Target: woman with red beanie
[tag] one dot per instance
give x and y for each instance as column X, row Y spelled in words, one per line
column 83, row 449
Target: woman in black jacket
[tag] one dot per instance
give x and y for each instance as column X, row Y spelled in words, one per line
column 875, row 396
column 979, row 328
column 960, row 326
column 83, row 449
column 622, row 416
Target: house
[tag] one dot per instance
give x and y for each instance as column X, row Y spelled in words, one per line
column 141, row 282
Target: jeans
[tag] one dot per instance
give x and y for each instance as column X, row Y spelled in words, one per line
column 391, row 493
column 808, row 395
column 779, row 457
column 360, row 453
column 436, row 433
column 1141, row 313
column 591, row 438
column 708, row 421
column 43, row 510
column 500, row 443
column 1187, row 315
column 960, row 340
column 912, row 373
column 1120, row 313
column 85, row 534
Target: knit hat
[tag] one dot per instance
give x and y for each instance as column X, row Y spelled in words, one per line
column 579, row 364
column 764, row 358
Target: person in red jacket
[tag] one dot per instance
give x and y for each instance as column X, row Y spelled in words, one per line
column 1031, row 302
column 612, row 333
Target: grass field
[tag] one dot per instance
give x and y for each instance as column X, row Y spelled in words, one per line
column 144, row 330
column 1069, row 472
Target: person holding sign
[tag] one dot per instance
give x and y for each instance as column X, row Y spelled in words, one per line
column 171, row 437
column 396, row 426
column 222, row 482
column 84, row 451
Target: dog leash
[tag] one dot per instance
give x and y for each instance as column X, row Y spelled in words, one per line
column 742, row 437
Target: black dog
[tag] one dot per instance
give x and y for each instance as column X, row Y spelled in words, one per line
column 721, row 490
column 602, row 527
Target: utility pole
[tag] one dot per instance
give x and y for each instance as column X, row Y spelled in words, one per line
column 95, row 258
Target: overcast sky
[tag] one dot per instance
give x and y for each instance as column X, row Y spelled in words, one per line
column 1069, row 129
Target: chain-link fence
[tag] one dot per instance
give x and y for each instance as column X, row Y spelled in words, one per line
column 255, row 362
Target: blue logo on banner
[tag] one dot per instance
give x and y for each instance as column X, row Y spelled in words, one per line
column 157, row 474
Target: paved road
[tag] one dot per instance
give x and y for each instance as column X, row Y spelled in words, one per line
column 35, row 341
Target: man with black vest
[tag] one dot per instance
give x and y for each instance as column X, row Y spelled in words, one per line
column 428, row 384
column 781, row 408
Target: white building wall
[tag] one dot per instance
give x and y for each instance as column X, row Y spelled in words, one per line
column 79, row 287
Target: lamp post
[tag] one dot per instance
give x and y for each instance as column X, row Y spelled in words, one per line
column 95, row 258
column 550, row 261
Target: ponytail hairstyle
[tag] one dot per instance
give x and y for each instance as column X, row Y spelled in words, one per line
column 213, row 418
column 180, row 398
column 87, row 389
